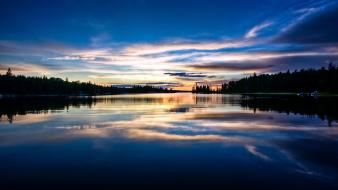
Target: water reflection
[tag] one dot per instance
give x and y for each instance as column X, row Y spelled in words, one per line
column 325, row 108
column 264, row 137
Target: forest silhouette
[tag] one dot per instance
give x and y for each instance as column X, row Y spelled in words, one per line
column 11, row 84
column 304, row 80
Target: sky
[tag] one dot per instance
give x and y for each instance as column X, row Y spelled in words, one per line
column 168, row 43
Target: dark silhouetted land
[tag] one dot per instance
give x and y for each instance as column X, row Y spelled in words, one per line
column 324, row 80
column 22, row 85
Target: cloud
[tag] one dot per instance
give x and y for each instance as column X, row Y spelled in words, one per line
column 162, row 84
column 100, row 40
column 254, row 31
column 16, row 48
column 156, row 84
column 320, row 28
column 301, row 62
column 144, row 49
column 171, row 63
column 264, row 61
column 188, row 75
column 25, row 68
column 71, row 58
column 231, row 66
column 258, row 56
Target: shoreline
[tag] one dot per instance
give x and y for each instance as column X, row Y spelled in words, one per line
column 81, row 95
column 173, row 92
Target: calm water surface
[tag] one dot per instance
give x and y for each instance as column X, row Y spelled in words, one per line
column 158, row 141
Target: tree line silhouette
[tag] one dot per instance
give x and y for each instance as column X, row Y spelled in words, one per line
column 11, row 84
column 304, row 80
column 205, row 89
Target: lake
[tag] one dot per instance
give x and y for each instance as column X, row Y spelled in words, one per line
column 173, row 141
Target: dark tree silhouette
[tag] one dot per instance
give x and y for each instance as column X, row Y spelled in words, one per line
column 323, row 80
column 9, row 72
column 204, row 89
column 21, row 85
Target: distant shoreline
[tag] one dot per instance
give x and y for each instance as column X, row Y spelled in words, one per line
column 285, row 93
column 11, row 84
column 172, row 92
column 83, row 95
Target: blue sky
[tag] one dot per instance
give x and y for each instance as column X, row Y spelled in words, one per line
column 171, row 43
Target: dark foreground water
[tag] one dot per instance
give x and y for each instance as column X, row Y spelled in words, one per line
column 174, row 141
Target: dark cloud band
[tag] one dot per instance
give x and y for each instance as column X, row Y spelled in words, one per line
column 320, row 28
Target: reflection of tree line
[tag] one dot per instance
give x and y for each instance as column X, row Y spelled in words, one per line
column 215, row 99
column 325, row 108
column 11, row 106
column 37, row 105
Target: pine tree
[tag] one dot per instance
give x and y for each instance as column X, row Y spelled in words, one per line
column 9, row 72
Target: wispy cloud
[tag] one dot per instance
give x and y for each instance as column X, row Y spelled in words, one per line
column 319, row 28
column 189, row 75
column 144, row 49
column 226, row 66
column 253, row 32
column 25, row 68
column 297, row 13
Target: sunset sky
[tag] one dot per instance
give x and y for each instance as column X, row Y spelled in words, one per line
column 172, row 43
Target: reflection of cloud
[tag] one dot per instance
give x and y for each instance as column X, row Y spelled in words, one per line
column 154, row 135
column 87, row 132
column 230, row 116
column 78, row 127
column 253, row 150
column 300, row 167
